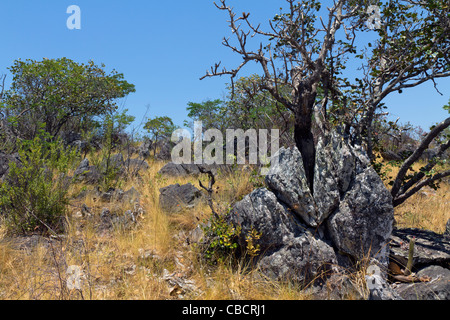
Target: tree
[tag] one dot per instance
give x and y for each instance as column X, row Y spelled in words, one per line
column 210, row 112
column 308, row 55
column 160, row 128
column 58, row 93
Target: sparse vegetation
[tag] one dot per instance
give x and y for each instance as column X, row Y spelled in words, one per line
column 132, row 264
column 80, row 215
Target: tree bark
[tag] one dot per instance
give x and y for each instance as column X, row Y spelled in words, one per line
column 303, row 135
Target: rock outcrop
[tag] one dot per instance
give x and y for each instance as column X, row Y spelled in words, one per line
column 290, row 250
column 304, row 232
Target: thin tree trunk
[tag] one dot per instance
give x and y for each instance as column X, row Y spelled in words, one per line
column 304, row 139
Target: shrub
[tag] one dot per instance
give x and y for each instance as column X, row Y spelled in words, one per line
column 33, row 196
column 221, row 239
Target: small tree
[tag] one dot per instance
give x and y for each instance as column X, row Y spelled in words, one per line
column 210, row 112
column 160, row 128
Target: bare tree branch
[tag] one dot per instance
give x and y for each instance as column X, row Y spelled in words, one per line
column 416, row 155
column 403, row 197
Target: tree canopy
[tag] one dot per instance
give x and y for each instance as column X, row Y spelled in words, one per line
column 60, row 93
column 304, row 54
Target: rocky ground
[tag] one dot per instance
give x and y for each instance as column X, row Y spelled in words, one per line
column 337, row 242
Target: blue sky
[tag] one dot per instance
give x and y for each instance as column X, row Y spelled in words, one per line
column 163, row 48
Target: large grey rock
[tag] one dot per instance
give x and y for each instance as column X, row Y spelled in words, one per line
column 326, row 189
column 336, row 165
column 288, row 181
column 362, row 224
column 438, row 288
column 175, row 198
column 288, row 249
column 429, row 248
column 165, row 152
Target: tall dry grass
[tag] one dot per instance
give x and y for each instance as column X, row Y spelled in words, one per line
column 135, row 264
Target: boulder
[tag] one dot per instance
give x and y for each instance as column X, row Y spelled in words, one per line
column 145, row 148
column 438, row 288
column 288, row 248
column 175, row 198
column 287, row 180
column 131, row 196
column 389, row 155
column 165, row 152
column 336, row 165
column 430, row 248
column 362, row 224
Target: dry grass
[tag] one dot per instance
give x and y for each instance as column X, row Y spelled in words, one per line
column 135, row 264
column 428, row 209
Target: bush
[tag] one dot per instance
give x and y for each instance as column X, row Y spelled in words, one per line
column 221, row 236
column 33, row 196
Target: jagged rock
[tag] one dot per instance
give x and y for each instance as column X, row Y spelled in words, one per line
column 335, row 168
column 438, row 288
column 175, row 198
column 165, row 152
column 447, row 228
column 116, row 162
column 362, row 224
column 289, row 250
column 113, row 220
column 145, row 148
column 288, row 181
column 86, row 173
column 430, row 248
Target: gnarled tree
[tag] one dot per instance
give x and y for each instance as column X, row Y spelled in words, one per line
column 308, row 54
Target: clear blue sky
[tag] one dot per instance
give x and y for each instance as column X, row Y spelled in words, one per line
column 162, row 47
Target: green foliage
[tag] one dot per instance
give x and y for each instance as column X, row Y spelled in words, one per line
column 221, row 239
column 447, row 107
column 60, row 93
column 113, row 124
column 160, row 128
column 34, row 193
column 209, row 112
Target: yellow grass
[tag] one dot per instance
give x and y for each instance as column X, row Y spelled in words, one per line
column 428, row 209
column 132, row 264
